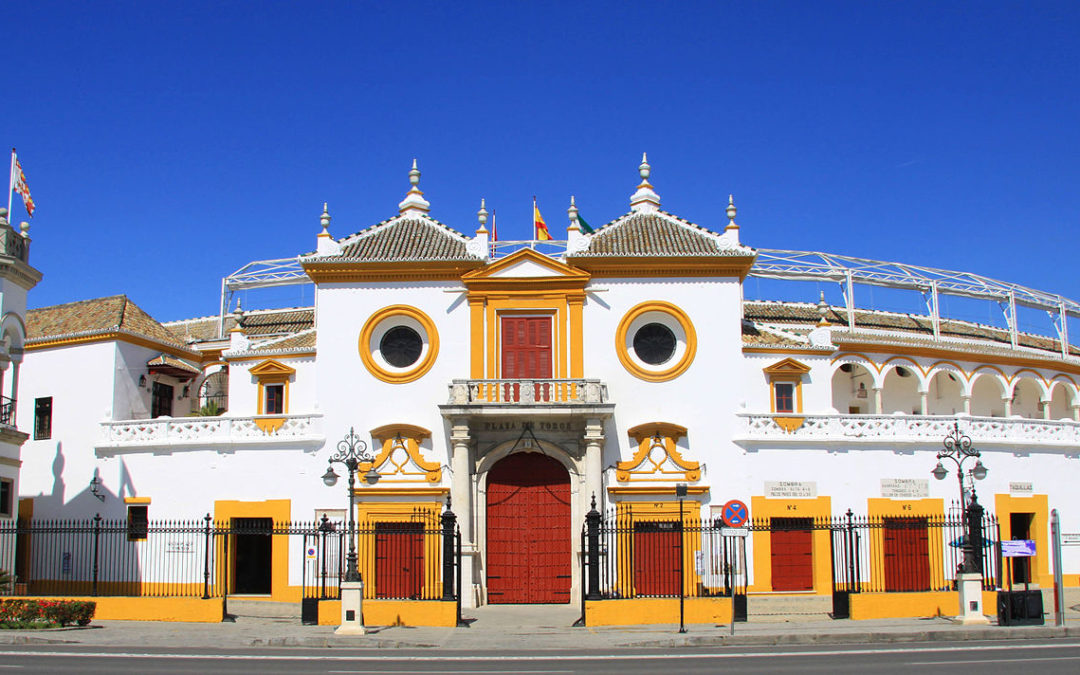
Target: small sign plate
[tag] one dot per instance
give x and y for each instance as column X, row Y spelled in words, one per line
column 1070, row 538
column 1017, row 548
column 734, row 531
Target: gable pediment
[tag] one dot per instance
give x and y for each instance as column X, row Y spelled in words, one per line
column 526, row 267
column 789, row 367
column 271, row 368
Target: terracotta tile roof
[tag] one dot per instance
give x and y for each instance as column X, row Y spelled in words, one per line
column 757, row 335
column 805, row 313
column 171, row 362
column 257, row 323
column 90, row 317
column 657, row 234
column 301, row 342
column 403, row 238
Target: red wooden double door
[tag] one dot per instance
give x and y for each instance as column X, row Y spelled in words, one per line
column 528, row 530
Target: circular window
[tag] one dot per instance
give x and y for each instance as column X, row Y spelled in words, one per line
column 656, row 341
column 399, row 344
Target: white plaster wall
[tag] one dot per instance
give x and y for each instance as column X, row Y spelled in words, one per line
column 703, row 399
column 350, row 396
column 244, row 387
column 80, row 379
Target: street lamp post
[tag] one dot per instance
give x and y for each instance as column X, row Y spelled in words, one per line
column 957, row 447
column 351, row 451
column 969, row 579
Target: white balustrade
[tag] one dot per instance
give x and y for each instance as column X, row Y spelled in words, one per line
column 527, row 391
column 1011, row 431
column 210, row 432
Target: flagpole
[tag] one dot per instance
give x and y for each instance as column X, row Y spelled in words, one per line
column 11, row 185
column 532, row 245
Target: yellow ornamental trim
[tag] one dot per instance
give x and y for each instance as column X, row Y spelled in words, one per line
column 657, row 457
column 399, row 460
column 789, row 424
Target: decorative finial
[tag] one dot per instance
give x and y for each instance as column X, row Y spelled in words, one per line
column 482, row 216
column 324, row 220
column 3, row 215
column 645, row 199
column 823, row 309
column 731, row 212
column 594, row 501
column 24, row 228
column 238, row 315
column 414, row 174
column 572, row 211
column 414, row 200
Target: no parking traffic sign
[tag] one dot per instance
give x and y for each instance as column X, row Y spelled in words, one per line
column 735, row 513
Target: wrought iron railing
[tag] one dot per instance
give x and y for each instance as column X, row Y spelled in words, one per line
column 7, row 411
column 527, row 391
column 414, row 560
column 777, row 427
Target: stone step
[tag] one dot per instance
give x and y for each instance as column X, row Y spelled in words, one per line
column 262, row 608
column 780, row 608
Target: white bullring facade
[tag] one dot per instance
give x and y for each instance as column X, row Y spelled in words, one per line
column 518, row 383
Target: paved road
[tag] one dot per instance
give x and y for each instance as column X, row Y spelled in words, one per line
column 1058, row 656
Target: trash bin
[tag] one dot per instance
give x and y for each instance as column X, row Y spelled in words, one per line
column 1020, row 608
column 309, row 611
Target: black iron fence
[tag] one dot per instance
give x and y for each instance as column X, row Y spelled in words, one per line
column 640, row 553
column 417, row 559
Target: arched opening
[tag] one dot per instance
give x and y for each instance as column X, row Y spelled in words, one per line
column 986, row 396
column 945, row 394
column 900, row 392
column 851, row 389
column 1061, row 402
column 1027, row 397
column 528, row 530
column 214, row 393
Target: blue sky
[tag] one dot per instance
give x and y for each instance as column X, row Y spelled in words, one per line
column 167, row 144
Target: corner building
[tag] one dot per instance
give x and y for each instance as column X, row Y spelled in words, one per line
column 522, row 385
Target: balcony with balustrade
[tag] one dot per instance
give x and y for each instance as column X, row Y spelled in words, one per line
column 225, row 432
column 833, row 429
column 542, row 397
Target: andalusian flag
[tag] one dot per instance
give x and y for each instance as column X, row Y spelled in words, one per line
column 584, row 226
column 539, row 227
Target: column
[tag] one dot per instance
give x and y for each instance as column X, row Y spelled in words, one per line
column 924, row 403
column 1044, row 404
column 594, row 462
column 877, row 401
column 461, row 496
column 967, row 403
column 1008, row 405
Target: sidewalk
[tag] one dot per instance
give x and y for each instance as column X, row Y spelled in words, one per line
column 524, row 628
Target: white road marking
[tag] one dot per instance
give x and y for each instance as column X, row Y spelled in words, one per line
column 544, row 657
column 1027, row 660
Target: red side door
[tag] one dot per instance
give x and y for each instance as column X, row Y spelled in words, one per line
column 792, row 554
column 399, row 560
column 526, row 352
column 907, row 554
column 528, row 530
column 656, row 558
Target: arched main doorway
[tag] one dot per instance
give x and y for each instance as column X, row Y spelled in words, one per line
column 528, row 530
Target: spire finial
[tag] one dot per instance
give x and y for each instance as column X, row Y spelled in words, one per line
column 645, row 199
column 822, row 309
column 482, row 216
column 731, row 213
column 414, row 200
column 238, row 316
column 324, row 219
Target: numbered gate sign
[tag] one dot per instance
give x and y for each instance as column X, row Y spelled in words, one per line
column 1017, row 548
column 735, row 513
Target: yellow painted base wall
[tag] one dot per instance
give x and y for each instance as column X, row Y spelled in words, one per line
column 192, row 610
column 394, row 613
column 643, row 611
column 903, row 605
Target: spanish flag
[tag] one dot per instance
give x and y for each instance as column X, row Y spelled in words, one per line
column 539, row 228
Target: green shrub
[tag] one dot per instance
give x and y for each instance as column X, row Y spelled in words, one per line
column 24, row 613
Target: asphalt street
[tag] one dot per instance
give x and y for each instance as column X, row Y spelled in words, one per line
column 1056, row 656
